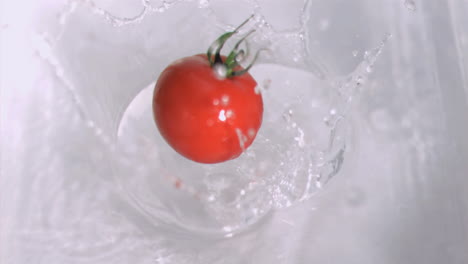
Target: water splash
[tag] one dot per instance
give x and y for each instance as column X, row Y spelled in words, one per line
column 349, row 85
column 284, row 166
column 294, row 174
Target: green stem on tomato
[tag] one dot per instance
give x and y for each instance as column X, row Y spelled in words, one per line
column 238, row 73
column 232, row 60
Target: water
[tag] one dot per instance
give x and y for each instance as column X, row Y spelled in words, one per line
column 295, row 153
column 291, row 159
column 362, row 140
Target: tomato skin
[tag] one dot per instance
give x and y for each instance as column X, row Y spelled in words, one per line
column 204, row 118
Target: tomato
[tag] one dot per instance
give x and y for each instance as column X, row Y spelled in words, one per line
column 207, row 107
column 204, row 117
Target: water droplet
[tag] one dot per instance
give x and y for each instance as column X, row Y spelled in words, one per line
column 300, row 138
column 355, row 53
column 410, row 5
column 366, row 54
column 287, row 115
column 222, row 116
column 333, row 111
column 229, row 113
column 240, row 57
column 251, row 132
column 225, row 99
column 369, row 69
column 257, row 90
column 220, row 71
column 318, row 184
column 359, row 80
column 242, row 138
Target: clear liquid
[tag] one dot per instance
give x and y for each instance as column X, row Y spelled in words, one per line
column 301, row 146
column 295, row 153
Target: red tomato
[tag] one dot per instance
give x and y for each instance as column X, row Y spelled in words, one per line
column 203, row 117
